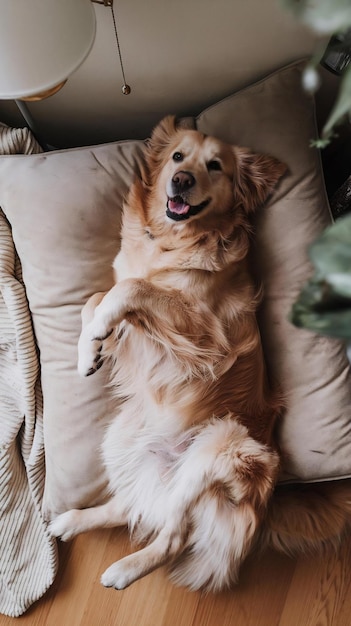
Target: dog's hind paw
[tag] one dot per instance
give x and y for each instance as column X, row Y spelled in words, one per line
column 63, row 526
column 117, row 576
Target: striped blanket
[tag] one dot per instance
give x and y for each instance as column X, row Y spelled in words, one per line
column 28, row 559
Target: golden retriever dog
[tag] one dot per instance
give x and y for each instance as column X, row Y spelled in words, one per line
column 190, row 455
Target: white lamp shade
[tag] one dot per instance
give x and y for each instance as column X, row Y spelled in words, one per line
column 42, row 42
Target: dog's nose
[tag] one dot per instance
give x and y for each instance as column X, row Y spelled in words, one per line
column 182, row 181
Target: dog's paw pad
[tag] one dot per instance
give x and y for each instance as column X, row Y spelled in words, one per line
column 90, row 372
column 98, row 362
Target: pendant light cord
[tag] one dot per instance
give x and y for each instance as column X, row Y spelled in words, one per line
column 125, row 88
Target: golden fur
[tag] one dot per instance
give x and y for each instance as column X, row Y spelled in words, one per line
column 190, row 455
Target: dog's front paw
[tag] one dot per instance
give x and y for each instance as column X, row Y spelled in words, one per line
column 64, row 526
column 90, row 360
column 89, row 355
column 117, row 576
column 101, row 333
column 98, row 329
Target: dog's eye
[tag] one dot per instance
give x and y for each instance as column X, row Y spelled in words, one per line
column 177, row 156
column 214, row 166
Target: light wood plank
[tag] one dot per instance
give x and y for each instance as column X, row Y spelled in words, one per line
column 273, row 591
column 319, row 589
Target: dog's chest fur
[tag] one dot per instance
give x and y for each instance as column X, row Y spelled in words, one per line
column 210, row 273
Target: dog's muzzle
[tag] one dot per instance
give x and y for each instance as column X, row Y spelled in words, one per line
column 178, row 205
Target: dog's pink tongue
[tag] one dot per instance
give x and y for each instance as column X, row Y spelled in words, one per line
column 178, row 207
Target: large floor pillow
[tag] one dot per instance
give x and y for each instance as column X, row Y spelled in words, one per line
column 65, row 209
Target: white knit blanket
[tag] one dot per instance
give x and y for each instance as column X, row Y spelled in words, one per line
column 28, row 560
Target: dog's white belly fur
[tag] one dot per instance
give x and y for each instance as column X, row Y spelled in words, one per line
column 141, row 465
column 144, row 446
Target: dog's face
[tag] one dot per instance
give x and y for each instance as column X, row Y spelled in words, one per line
column 197, row 176
column 194, row 175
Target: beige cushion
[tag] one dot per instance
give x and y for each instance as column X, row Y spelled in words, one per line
column 274, row 115
column 65, row 211
column 65, row 207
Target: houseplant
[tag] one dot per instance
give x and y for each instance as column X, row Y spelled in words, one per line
column 324, row 304
column 327, row 17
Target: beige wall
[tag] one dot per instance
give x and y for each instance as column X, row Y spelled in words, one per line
column 179, row 56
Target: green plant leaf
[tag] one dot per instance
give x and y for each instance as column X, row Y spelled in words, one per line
column 330, row 323
column 322, row 16
column 320, row 309
column 331, row 256
column 341, row 107
column 326, row 17
column 324, row 303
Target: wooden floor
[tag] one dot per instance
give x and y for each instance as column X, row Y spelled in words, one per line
column 273, row 591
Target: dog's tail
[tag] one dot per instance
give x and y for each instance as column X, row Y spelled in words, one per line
column 305, row 518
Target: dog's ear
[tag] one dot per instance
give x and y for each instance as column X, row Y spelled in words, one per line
column 162, row 133
column 158, row 143
column 256, row 177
